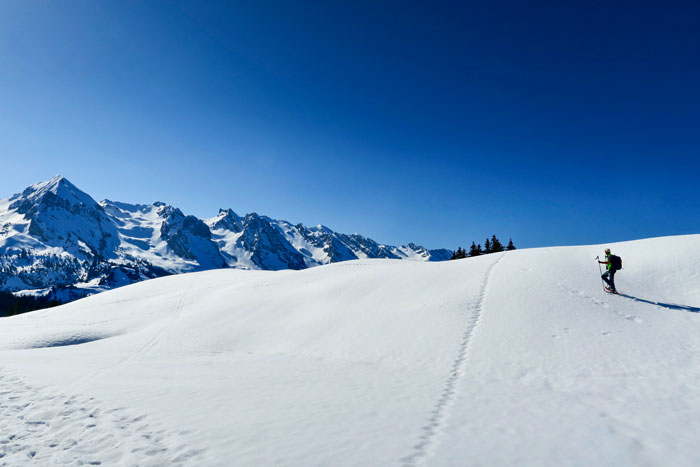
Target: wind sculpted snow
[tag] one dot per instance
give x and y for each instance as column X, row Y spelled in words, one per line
column 517, row 358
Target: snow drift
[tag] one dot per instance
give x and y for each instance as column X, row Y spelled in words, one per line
column 507, row 359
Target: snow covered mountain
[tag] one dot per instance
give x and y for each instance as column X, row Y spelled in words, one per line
column 54, row 238
column 488, row 361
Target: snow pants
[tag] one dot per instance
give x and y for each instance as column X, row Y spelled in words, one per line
column 609, row 278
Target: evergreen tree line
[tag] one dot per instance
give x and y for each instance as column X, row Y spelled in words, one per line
column 492, row 245
column 12, row 305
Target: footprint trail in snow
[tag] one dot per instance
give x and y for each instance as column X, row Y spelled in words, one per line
column 40, row 426
column 431, row 431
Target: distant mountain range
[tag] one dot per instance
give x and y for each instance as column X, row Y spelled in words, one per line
column 55, row 239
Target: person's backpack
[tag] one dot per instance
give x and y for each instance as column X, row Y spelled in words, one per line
column 615, row 262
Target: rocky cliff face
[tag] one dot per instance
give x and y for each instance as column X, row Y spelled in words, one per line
column 56, row 239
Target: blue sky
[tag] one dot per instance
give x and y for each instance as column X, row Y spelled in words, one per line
column 433, row 122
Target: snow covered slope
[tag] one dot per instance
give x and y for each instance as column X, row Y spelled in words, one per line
column 56, row 239
column 516, row 358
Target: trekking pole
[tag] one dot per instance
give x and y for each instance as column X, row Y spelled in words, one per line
column 601, row 271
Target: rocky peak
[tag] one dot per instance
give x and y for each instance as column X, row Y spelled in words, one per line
column 168, row 212
column 57, row 192
column 270, row 248
column 61, row 215
column 227, row 219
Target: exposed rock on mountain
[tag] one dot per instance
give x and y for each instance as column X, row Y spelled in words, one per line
column 55, row 239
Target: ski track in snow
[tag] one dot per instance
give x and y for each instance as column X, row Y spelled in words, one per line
column 42, row 427
column 438, row 416
column 162, row 333
column 152, row 343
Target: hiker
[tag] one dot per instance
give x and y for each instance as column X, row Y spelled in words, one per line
column 609, row 275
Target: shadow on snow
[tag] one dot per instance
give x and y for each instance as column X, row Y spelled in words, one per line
column 670, row 306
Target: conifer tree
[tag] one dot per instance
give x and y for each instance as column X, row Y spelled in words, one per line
column 459, row 253
column 487, row 247
column 496, row 245
column 510, row 246
column 474, row 250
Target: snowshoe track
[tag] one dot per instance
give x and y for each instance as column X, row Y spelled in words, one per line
column 580, row 294
column 438, row 416
column 42, row 427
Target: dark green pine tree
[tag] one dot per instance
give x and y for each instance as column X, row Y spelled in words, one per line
column 487, row 247
column 510, row 246
column 475, row 250
column 460, row 253
column 496, row 245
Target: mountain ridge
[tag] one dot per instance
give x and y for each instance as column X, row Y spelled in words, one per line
column 56, row 239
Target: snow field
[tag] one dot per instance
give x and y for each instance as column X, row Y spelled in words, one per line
column 252, row 359
column 507, row 359
column 563, row 374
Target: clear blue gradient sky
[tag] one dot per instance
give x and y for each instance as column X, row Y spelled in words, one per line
column 433, row 122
